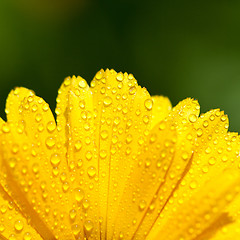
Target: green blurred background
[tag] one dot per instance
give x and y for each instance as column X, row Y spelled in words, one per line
column 175, row 48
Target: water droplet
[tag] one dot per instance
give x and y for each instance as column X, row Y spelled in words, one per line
column 34, row 108
column 205, row 123
column 212, row 160
column 38, row 117
column 51, row 126
column 85, row 204
column 107, row 101
column 78, row 145
column 193, row 184
column 50, row 142
column 79, row 194
column 18, row 225
column 35, row 168
column 199, row 132
column 185, row 156
column 91, row 171
column 27, row 236
column 129, row 138
column 88, row 155
column 76, row 229
column 103, row 154
column 88, row 225
column 148, row 104
column 12, row 162
column 192, row 118
column 2, row 228
column 65, row 186
column 55, row 159
column 119, row 77
column 132, row 90
column 67, row 81
column 82, row 104
column 99, row 75
column 82, row 83
column 104, row 134
column 45, row 107
column 72, row 214
column 5, row 128
column 142, row 205
column 12, row 237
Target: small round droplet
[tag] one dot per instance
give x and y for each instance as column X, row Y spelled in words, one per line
column 2, row 228
column 132, row 90
column 148, row 104
column 119, row 77
column 78, row 145
column 192, row 118
column 82, row 83
column 76, row 229
column 88, row 225
column 72, row 214
column 5, row 128
column 104, row 134
column 107, row 101
column 193, row 184
column 55, row 159
column 142, row 205
column 50, row 142
column 91, row 171
column 27, row 236
column 65, row 186
column 51, row 126
column 35, row 168
column 79, row 194
column 85, row 204
column 18, row 225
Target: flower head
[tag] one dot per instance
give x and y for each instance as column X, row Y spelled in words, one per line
column 116, row 164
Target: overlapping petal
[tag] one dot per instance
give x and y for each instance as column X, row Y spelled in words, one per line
column 116, row 164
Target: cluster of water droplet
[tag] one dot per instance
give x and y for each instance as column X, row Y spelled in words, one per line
column 104, row 169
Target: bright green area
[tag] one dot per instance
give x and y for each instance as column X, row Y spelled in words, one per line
column 176, row 48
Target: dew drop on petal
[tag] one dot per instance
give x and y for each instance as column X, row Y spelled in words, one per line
column 107, row 101
column 148, row 104
column 55, row 159
column 78, row 145
column 76, row 229
column 51, row 126
column 72, row 214
column 192, row 118
column 91, row 171
column 27, row 236
column 50, row 142
column 79, row 194
column 82, row 83
column 88, row 225
column 119, row 77
column 142, row 205
column 18, row 225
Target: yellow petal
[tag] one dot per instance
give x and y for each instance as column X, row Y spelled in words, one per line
column 34, row 161
column 14, row 101
column 161, row 108
column 75, row 119
column 190, row 219
column 162, row 165
column 13, row 225
column 123, row 116
column 214, row 151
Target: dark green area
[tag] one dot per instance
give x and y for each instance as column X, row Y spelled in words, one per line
column 175, row 48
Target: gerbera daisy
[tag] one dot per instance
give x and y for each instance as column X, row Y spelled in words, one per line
column 116, row 164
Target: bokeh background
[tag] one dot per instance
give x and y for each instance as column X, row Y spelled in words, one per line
column 175, row 48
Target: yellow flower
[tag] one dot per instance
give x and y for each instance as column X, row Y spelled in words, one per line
column 116, row 164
